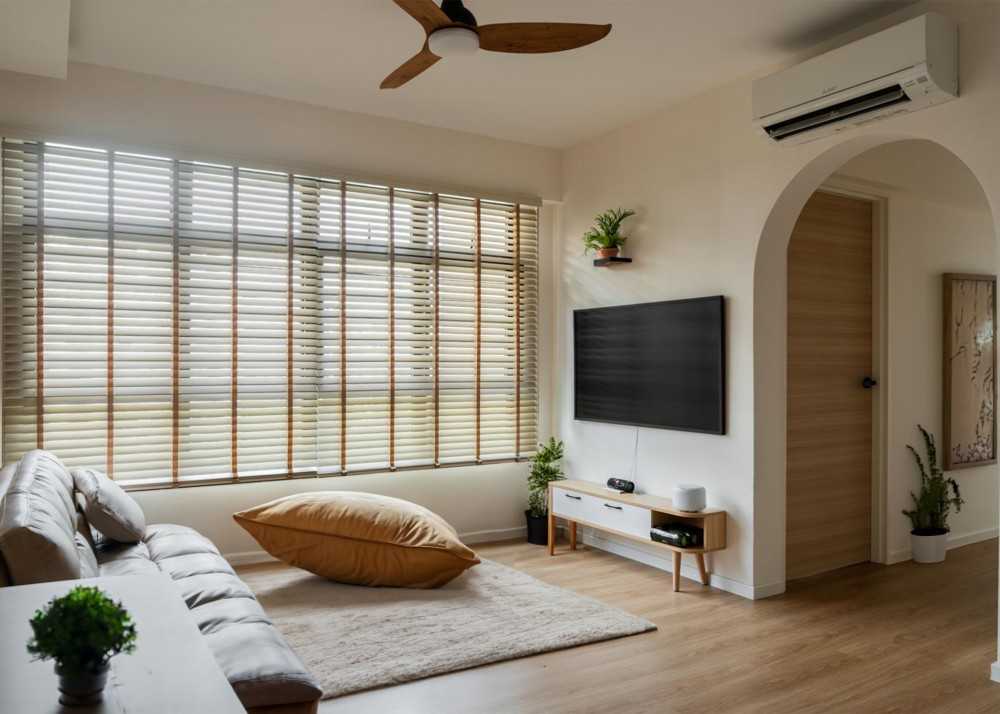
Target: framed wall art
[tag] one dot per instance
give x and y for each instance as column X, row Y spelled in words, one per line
column 970, row 360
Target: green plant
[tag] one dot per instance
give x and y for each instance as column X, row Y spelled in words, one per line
column 545, row 468
column 81, row 630
column 606, row 232
column 938, row 493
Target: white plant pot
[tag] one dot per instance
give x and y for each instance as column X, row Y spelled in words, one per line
column 928, row 548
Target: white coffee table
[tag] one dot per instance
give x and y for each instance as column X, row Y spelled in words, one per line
column 171, row 671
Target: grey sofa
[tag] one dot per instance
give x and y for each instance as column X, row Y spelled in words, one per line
column 44, row 536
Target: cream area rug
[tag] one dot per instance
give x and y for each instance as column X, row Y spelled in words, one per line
column 354, row 638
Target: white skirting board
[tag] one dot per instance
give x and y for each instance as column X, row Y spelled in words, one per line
column 251, row 557
column 955, row 540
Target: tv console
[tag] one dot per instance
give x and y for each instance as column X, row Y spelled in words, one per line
column 631, row 516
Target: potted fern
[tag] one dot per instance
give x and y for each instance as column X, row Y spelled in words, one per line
column 545, row 468
column 605, row 237
column 929, row 516
column 81, row 631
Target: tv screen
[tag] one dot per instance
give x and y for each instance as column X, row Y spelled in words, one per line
column 658, row 364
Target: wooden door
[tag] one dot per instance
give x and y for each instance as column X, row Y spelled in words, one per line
column 829, row 455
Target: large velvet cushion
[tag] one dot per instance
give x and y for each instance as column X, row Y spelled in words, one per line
column 360, row 538
column 108, row 508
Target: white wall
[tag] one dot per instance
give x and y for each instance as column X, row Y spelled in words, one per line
column 717, row 204
column 938, row 221
column 483, row 503
column 97, row 106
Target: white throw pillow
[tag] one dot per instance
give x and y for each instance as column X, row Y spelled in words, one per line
column 108, row 508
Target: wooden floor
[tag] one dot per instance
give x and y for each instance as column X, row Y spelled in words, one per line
column 907, row 638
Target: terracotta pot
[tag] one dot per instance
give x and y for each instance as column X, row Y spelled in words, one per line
column 82, row 689
column 607, row 253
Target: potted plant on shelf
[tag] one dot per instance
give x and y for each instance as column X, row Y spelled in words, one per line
column 81, row 631
column 545, row 468
column 929, row 517
column 605, row 237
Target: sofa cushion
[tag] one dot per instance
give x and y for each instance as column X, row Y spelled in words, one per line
column 124, row 559
column 360, row 538
column 108, row 508
column 262, row 668
column 38, row 522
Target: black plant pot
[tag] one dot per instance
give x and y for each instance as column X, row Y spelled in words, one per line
column 538, row 529
column 80, row 689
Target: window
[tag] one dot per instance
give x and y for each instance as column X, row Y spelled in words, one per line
column 174, row 322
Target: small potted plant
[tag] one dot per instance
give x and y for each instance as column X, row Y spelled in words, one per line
column 81, row 631
column 929, row 517
column 545, row 468
column 605, row 237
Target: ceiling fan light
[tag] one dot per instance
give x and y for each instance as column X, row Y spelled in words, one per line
column 453, row 41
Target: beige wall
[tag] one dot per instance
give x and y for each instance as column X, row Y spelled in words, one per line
column 98, row 106
column 717, row 204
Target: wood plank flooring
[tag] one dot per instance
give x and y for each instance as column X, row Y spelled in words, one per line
column 906, row 638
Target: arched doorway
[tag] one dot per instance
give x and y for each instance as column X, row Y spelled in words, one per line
column 770, row 352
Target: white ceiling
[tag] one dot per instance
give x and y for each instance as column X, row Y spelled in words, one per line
column 334, row 53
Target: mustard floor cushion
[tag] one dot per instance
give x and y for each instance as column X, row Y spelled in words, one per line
column 359, row 538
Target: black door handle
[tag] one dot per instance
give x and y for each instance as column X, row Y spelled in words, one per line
column 608, row 505
column 868, row 383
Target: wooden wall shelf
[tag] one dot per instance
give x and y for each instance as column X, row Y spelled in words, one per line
column 608, row 262
column 632, row 516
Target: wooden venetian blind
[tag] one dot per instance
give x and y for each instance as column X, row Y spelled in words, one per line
column 175, row 322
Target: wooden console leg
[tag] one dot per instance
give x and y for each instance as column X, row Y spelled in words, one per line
column 572, row 535
column 552, row 533
column 677, row 571
column 701, row 568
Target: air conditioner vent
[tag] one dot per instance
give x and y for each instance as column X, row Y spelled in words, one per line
column 873, row 101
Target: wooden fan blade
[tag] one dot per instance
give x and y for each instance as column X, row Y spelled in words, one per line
column 426, row 12
column 418, row 63
column 537, row 37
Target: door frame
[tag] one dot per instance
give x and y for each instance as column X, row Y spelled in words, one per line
column 878, row 197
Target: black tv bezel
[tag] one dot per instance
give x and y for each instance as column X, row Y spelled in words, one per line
column 721, row 431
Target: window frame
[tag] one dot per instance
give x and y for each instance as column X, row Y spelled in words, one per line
column 520, row 268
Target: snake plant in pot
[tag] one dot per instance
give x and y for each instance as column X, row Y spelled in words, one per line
column 545, row 468
column 81, row 631
column 929, row 516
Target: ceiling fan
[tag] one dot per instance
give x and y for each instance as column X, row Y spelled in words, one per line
column 452, row 31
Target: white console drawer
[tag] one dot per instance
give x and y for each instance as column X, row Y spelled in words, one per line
column 570, row 505
column 606, row 513
column 620, row 517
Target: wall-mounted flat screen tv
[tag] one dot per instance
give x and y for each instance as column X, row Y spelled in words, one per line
column 658, row 364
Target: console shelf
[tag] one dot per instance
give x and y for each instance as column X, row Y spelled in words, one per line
column 631, row 516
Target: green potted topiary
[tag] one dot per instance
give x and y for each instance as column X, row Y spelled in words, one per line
column 81, row 631
column 545, row 468
column 605, row 237
column 929, row 517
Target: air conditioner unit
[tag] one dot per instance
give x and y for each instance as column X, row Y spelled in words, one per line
column 902, row 69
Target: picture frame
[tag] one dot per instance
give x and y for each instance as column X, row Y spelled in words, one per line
column 969, row 363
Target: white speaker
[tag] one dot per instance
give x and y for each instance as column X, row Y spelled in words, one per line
column 689, row 498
